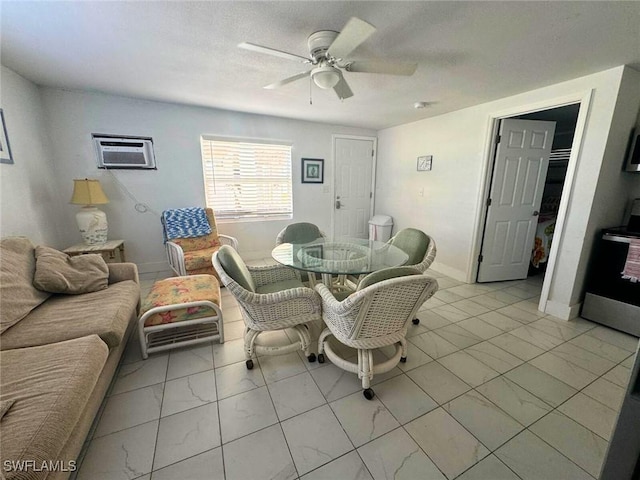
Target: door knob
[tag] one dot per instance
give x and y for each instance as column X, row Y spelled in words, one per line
column 536, row 213
column 338, row 204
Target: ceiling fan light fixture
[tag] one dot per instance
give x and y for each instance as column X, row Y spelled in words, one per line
column 325, row 76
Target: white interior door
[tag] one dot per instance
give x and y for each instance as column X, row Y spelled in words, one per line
column 353, row 186
column 519, row 172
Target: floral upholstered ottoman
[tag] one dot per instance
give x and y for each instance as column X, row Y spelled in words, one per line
column 180, row 311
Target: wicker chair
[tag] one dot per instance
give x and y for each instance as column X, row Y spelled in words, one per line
column 375, row 315
column 420, row 247
column 270, row 298
column 192, row 256
column 299, row 233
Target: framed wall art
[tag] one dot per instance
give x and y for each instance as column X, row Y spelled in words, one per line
column 312, row 170
column 5, row 148
column 424, row 163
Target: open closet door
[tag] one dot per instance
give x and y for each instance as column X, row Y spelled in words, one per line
column 519, row 172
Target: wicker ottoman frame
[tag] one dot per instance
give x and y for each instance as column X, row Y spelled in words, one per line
column 166, row 336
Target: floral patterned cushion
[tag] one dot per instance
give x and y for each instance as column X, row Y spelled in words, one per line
column 201, row 243
column 199, row 259
column 181, row 290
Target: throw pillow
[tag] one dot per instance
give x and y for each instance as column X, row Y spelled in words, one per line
column 18, row 296
column 5, row 405
column 57, row 272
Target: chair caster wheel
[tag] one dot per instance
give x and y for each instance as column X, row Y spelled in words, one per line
column 249, row 364
column 368, row 394
column 321, row 358
column 415, row 321
column 312, row 358
column 403, row 359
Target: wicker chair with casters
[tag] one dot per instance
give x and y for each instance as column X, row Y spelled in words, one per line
column 301, row 232
column 192, row 256
column 270, row 298
column 375, row 315
column 420, row 247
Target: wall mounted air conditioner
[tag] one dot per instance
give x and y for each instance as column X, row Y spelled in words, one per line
column 124, row 152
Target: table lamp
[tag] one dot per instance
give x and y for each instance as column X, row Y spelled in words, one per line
column 91, row 221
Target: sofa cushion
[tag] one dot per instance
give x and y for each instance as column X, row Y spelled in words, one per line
column 18, row 296
column 57, row 272
column 50, row 386
column 106, row 313
column 199, row 259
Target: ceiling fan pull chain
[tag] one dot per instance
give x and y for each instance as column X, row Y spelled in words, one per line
column 310, row 91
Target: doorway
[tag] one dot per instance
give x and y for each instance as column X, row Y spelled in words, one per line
column 353, row 186
column 518, row 248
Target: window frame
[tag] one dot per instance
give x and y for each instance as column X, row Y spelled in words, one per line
column 222, row 216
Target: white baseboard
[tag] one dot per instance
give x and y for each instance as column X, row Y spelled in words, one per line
column 449, row 272
column 562, row 311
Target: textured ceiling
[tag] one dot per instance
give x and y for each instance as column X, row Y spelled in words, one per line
column 186, row 52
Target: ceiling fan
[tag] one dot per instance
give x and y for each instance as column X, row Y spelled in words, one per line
column 328, row 52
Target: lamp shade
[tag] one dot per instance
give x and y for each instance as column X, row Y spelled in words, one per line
column 88, row 192
column 325, row 76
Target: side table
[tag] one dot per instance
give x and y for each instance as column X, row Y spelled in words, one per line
column 107, row 250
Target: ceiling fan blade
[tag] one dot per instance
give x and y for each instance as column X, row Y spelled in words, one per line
column 272, row 51
column 382, row 66
column 288, row 80
column 353, row 34
column 342, row 89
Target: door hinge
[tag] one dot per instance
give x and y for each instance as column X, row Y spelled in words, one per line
column 370, row 194
column 498, row 138
column 488, row 202
column 480, row 258
column 372, row 152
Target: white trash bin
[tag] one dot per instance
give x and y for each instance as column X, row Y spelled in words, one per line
column 380, row 228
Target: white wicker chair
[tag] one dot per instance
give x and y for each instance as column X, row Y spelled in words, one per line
column 420, row 247
column 374, row 316
column 292, row 307
column 302, row 232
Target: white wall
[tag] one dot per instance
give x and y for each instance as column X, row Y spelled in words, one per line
column 29, row 200
column 451, row 205
column 73, row 116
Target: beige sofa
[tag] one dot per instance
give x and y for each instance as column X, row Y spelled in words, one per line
column 56, row 362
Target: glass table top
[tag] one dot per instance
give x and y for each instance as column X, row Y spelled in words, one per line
column 340, row 256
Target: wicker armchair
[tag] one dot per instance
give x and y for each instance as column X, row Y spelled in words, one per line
column 375, row 315
column 301, row 232
column 192, row 256
column 270, row 298
column 420, row 247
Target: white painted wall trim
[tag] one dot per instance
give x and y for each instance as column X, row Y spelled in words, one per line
column 374, row 161
column 584, row 98
column 565, row 198
column 562, row 311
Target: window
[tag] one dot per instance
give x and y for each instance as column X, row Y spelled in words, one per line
column 247, row 179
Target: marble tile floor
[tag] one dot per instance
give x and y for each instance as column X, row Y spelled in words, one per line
column 493, row 389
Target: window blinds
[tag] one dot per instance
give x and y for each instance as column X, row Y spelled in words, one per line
column 244, row 179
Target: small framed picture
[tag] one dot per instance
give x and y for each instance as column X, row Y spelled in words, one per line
column 424, row 163
column 5, row 149
column 312, row 170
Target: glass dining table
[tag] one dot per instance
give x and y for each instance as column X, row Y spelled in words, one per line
column 340, row 256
